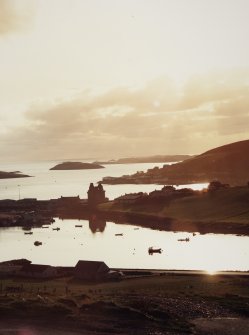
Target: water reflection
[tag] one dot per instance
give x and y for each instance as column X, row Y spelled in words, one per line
column 125, row 246
column 96, row 224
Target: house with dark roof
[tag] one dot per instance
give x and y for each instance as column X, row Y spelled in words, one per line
column 91, row 270
column 38, row 271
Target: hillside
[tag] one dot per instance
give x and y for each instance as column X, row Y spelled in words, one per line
column 228, row 163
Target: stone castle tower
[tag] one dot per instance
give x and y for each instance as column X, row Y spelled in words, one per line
column 96, row 195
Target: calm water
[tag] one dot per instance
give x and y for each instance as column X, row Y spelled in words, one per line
column 48, row 184
column 204, row 252
column 208, row 252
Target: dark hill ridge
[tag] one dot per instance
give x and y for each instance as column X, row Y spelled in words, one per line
column 228, row 164
column 76, row 166
column 229, row 148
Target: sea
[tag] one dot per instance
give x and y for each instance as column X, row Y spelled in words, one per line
column 118, row 245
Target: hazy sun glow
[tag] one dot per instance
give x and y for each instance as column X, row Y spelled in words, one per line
column 84, row 78
column 211, row 272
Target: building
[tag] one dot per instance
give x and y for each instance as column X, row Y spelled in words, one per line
column 91, row 270
column 96, row 195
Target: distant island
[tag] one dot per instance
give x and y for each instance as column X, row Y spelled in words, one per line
column 76, row 166
column 228, row 164
column 147, row 159
column 14, row 174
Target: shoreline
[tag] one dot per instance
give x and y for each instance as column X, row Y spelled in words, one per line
column 10, row 210
column 170, row 224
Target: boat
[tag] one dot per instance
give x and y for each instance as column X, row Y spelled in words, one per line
column 184, row 239
column 56, row 228
column 153, row 250
column 119, row 234
column 37, row 243
column 29, row 233
column 78, row 225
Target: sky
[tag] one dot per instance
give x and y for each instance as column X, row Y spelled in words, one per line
column 104, row 79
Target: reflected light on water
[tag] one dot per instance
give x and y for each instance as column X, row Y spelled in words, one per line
column 126, row 246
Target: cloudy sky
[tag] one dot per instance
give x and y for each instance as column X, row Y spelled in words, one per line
column 116, row 78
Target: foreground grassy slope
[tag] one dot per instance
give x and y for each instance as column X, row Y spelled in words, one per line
column 159, row 304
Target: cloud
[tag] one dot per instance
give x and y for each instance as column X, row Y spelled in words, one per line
column 215, row 86
column 153, row 119
column 14, row 15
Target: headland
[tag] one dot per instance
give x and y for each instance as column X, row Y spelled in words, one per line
column 14, row 174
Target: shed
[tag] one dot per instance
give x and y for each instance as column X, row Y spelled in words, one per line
column 91, row 270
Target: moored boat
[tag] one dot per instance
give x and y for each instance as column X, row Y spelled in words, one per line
column 153, row 250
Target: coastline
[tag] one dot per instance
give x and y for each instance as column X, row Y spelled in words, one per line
column 169, row 224
column 224, row 212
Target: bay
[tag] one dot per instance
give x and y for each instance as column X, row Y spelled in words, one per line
column 210, row 252
column 45, row 184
